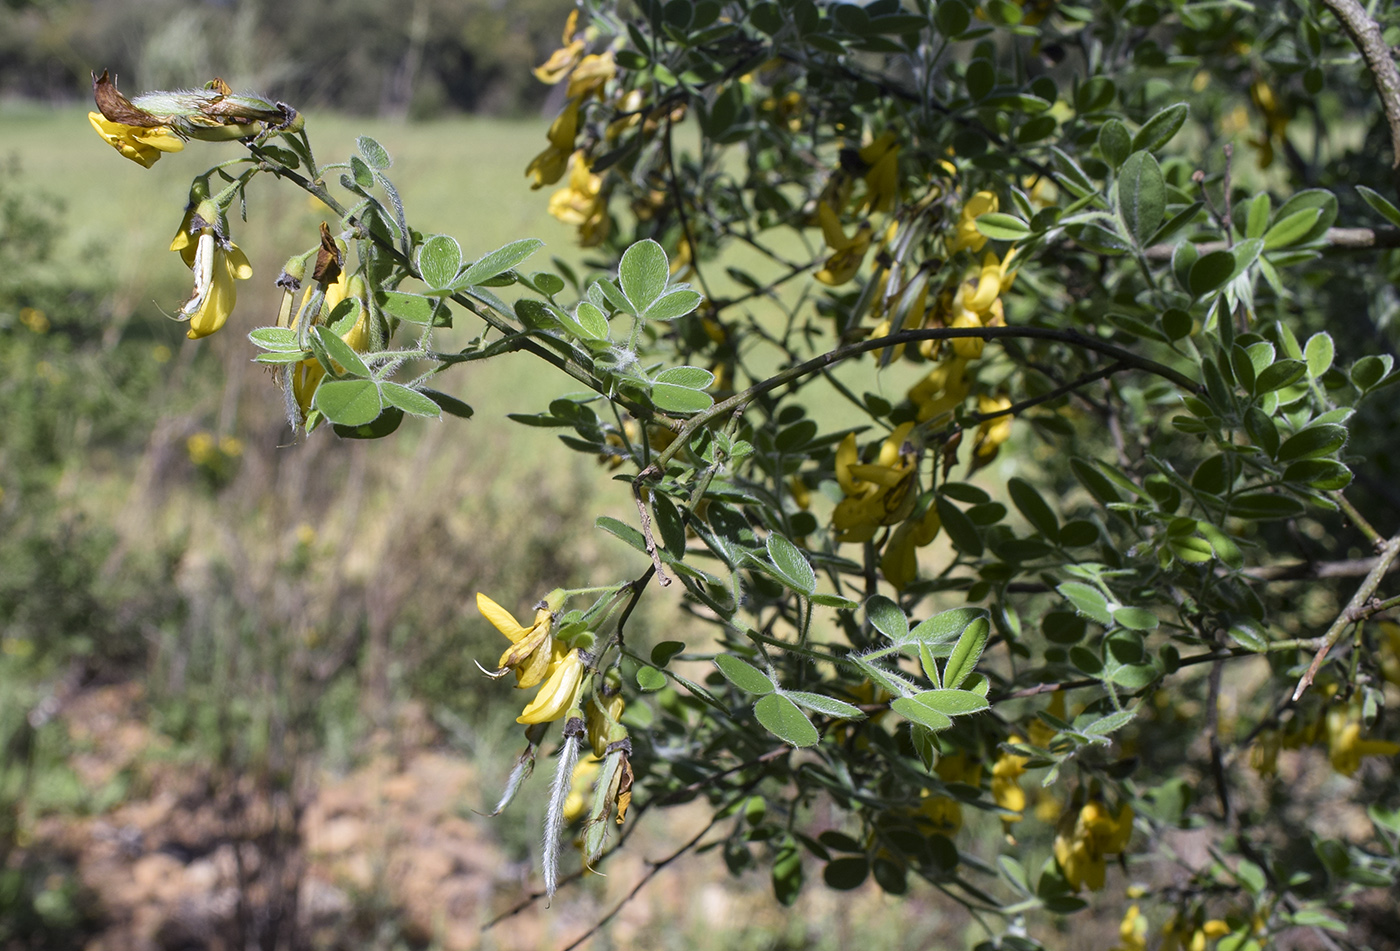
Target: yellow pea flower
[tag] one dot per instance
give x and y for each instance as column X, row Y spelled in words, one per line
column 585, row 772
column 144, row 146
column 882, row 179
column 1183, row 935
column 307, row 374
column 1041, row 733
column 1006, row 783
column 966, row 234
column 943, row 813
column 942, row 391
column 1085, row 837
column 548, row 167
column 591, row 74
column 559, row 693
column 876, row 494
column 992, row 433
column 1132, row 931
column 217, row 262
column 1345, row 747
column 562, row 61
column 900, row 561
column 599, row 720
column 849, row 251
column 531, row 648
column 583, row 203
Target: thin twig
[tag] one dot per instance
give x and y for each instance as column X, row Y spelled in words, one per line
column 1357, row 609
column 652, row 872
column 1335, row 239
column 661, row 577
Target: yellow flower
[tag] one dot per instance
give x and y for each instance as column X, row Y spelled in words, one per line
column 591, row 74
column 1085, row 837
column 942, row 391
column 585, row 772
column 583, row 203
column 966, row 234
column 600, row 720
column 1345, row 747
column 559, row 693
column 217, row 262
column 943, row 813
column 548, row 167
column 1006, row 784
column 531, row 648
column 1132, row 931
column 1040, row 732
column 1183, row 935
column 876, row 493
column 850, row 251
column 882, row 180
column 993, row 432
column 307, row 374
column 900, row 561
column 142, row 145
column 562, row 61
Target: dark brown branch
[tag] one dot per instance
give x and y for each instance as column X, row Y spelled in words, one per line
column 1366, row 34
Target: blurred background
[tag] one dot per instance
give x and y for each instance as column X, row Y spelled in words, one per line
column 239, row 704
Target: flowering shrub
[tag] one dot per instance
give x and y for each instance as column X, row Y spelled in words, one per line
column 1119, row 438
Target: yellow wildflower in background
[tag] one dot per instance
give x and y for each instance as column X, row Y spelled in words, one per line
column 591, row 75
column 882, row 180
column 992, row 433
column 1132, row 931
column 142, row 145
column 1345, row 747
column 1086, row 836
column 944, row 813
column 942, row 391
column 1006, row 783
column 1183, row 935
column 562, row 61
column 548, row 167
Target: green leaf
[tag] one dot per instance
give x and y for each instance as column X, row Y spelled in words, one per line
column 375, row 155
column 887, row 618
column 1379, row 202
column 1109, row 724
column 966, row 653
column 1324, row 474
column 1319, row 353
column 1115, row 144
column 1249, row 637
column 745, row 676
column 1319, row 198
column 680, row 399
column 414, row 308
column 439, row 260
column 1265, row 505
column 1087, row 600
column 1002, row 227
column 275, row 338
column 1210, row 273
column 348, row 402
column 448, row 404
column 885, row 679
column 915, row 712
column 1034, row 508
column 1290, row 230
column 695, row 378
column 674, row 304
column 281, row 357
column 649, row 679
column 1142, row 196
column 500, row 260
column 1313, row 442
column 1159, row 130
column 643, row 273
column 1136, row 619
column 781, row 717
column 787, row 558
column 1282, row 373
column 662, row 653
column 1366, row 372
column 826, row 706
column 588, row 322
column 952, row 703
column 945, row 626
column 382, row 425
column 959, row 527
column 845, row 874
column 1258, row 220
column 342, row 353
column 410, row 400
